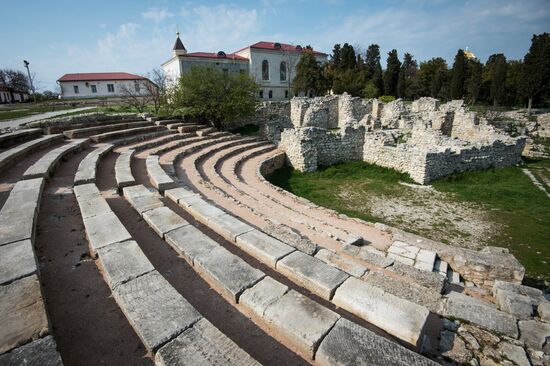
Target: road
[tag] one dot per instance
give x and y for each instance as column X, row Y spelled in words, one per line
column 35, row 117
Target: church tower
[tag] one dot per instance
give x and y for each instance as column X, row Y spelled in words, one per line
column 179, row 48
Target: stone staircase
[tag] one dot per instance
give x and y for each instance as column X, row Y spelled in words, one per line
column 333, row 290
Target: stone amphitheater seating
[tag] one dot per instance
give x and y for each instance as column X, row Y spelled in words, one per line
column 311, row 293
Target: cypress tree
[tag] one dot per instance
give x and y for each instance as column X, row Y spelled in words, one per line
column 498, row 80
column 473, row 84
column 536, row 69
column 309, row 77
column 391, row 75
column 348, row 60
column 458, row 75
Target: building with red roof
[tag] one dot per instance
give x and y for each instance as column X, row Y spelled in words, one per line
column 271, row 64
column 102, row 84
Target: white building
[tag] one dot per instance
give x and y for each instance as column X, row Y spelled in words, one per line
column 102, row 84
column 271, row 64
column 7, row 96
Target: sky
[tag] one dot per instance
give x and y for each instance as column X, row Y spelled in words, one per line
column 59, row 36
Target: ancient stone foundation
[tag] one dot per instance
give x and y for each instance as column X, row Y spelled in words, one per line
column 424, row 139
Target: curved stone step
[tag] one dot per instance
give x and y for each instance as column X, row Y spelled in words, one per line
column 123, row 170
column 158, row 177
column 12, row 138
column 87, row 121
column 86, row 172
column 45, row 165
column 154, row 141
column 95, row 130
column 140, row 137
column 125, row 133
column 13, row 154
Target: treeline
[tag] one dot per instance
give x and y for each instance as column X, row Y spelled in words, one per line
column 499, row 81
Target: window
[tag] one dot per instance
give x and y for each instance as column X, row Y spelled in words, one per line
column 111, row 88
column 286, row 94
column 265, row 70
column 241, row 71
column 283, row 71
column 137, row 86
column 270, row 94
column 261, row 94
column 94, row 89
column 75, row 87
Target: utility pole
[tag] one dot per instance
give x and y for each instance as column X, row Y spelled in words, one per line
column 26, row 63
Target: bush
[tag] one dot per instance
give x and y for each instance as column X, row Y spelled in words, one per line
column 370, row 91
column 215, row 96
column 386, row 98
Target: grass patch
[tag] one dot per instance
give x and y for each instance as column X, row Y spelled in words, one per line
column 247, row 130
column 521, row 209
column 24, row 110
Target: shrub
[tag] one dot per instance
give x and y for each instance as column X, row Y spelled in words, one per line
column 386, row 98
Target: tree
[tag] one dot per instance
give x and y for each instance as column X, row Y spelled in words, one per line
column 458, row 75
column 215, row 96
column 371, row 91
column 536, row 70
column 373, row 67
column 473, row 83
column 431, row 76
column 310, row 78
column 348, row 59
column 157, row 89
column 14, row 81
column 135, row 95
column 290, row 58
column 496, row 64
column 335, row 59
column 400, row 89
column 392, row 73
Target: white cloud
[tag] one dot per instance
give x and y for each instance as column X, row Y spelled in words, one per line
column 157, row 15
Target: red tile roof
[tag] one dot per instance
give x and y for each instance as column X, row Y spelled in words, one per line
column 96, row 76
column 284, row 46
column 215, row 55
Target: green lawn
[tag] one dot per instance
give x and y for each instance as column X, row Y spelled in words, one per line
column 507, row 195
column 24, row 110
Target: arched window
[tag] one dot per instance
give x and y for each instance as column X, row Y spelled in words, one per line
column 283, row 71
column 265, row 70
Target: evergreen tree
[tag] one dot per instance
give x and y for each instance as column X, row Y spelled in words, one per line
column 512, row 86
column 536, row 70
column 336, row 56
column 473, row 83
column 410, row 70
column 431, row 76
column 458, row 75
column 348, row 60
column 391, row 74
column 400, row 90
column 373, row 67
column 309, row 78
column 497, row 66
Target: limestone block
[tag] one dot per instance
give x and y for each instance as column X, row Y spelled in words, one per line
column 156, row 311
column 534, row 333
column 44, row 166
column 191, row 200
column 535, row 294
column 544, row 311
column 228, row 226
column 104, row 229
column 122, row 262
column 263, row 247
column 513, row 303
column 514, row 353
column 257, row 298
column 17, row 260
column 157, row 175
column 400, row 318
column 301, row 321
column 163, row 220
column 311, row 273
column 203, row 344
column 141, row 198
column 90, row 201
column 426, row 256
column 22, row 313
column 480, row 313
column 342, row 263
column 175, row 194
column 454, row 347
column 375, row 259
column 123, row 169
column 227, row 272
column 356, row 240
column 423, row 278
column 205, row 211
column 190, row 242
column 351, row 344
column 86, row 171
column 41, row 352
column 404, row 260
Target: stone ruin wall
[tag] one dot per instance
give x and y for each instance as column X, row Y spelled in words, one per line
column 426, row 140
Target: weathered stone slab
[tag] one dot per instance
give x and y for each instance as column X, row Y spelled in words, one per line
column 374, row 258
column 19, row 212
column 257, row 298
column 520, row 306
column 534, row 333
column 311, row 273
column 403, row 260
column 400, row 318
column 43, row 167
column 227, row 272
column 9, row 156
column 90, row 200
column 11, row 138
column 481, row 313
column 141, row 198
column 228, row 226
column 300, row 321
column 351, row 344
column 190, row 242
column 86, row 171
column 289, row 236
column 41, row 352
column 344, row 264
column 263, row 247
column 156, row 311
column 122, row 262
column 163, row 220
column 158, row 177
column 175, row 194
column 535, row 294
column 205, row 211
column 423, row 278
column 105, row 229
column 123, row 169
column 17, row 260
column 203, row 344
column 191, row 200
column 544, row 311
column 22, row 313
column 514, row 353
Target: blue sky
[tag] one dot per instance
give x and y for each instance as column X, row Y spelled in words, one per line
column 58, row 37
